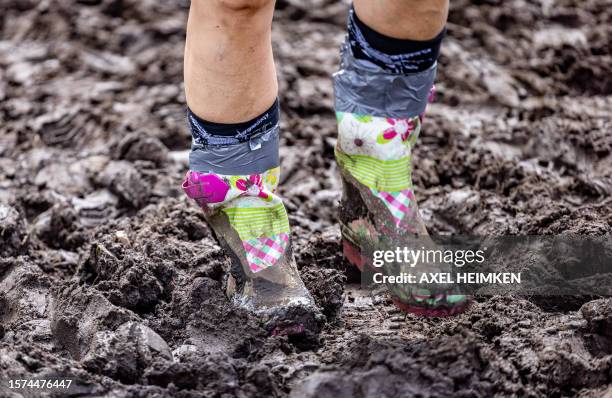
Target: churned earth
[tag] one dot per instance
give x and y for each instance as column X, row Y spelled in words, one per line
column 109, row 275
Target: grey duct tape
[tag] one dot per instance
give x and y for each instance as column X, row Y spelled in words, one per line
column 366, row 89
column 255, row 156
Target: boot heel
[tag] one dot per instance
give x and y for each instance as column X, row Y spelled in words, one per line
column 353, row 255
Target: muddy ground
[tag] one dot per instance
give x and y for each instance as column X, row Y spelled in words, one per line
column 109, row 275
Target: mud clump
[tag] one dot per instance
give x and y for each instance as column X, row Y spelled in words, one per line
column 215, row 373
column 327, row 287
column 59, row 227
column 125, row 353
column 12, row 231
column 128, row 279
column 598, row 314
column 139, row 146
column 25, row 293
column 409, row 371
column 125, row 181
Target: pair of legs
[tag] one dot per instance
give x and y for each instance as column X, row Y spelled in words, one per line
column 229, row 67
column 387, row 71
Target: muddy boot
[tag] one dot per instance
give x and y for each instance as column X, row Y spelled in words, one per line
column 250, row 222
column 379, row 114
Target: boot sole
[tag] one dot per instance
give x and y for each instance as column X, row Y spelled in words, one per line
column 432, row 312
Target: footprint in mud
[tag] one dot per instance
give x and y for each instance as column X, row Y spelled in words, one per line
column 62, row 127
column 25, row 304
column 96, row 208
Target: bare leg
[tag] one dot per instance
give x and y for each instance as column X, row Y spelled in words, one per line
column 404, row 19
column 229, row 68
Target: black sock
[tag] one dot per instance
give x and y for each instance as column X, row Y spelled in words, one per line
column 210, row 133
column 395, row 55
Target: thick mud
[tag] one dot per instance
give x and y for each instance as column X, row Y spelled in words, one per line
column 109, row 275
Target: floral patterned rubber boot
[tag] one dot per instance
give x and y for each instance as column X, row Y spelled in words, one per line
column 250, row 222
column 379, row 114
column 379, row 210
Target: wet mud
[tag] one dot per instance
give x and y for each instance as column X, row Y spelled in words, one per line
column 108, row 274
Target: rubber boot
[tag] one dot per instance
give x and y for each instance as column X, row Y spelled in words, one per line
column 379, row 117
column 250, row 222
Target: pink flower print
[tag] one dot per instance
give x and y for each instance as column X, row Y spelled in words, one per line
column 253, row 186
column 400, row 127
